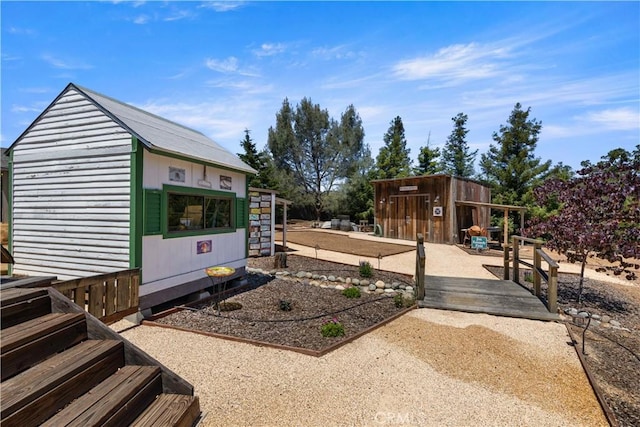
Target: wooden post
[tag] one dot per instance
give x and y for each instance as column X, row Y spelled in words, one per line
column 420, row 267
column 536, row 269
column 505, row 226
column 506, row 262
column 552, row 292
column 284, row 229
column 516, row 260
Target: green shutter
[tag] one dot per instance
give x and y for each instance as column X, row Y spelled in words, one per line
column 152, row 212
column 241, row 213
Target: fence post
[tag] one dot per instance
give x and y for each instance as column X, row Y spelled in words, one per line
column 516, row 260
column 420, row 267
column 552, row 292
column 537, row 266
column 506, row 262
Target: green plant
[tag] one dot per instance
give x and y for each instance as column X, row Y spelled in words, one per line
column 402, row 301
column 285, row 305
column 528, row 276
column 366, row 269
column 352, row 292
column 332, row 328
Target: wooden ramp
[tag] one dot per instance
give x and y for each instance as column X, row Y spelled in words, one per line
column 497, row 297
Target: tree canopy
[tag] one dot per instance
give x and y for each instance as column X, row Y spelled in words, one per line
column 393, row 159
column 595, row 212
column 457, row 158
column 510, row 166
column 428, row 159
column 313, row 150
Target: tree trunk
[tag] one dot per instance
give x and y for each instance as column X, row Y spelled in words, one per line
column 584, row 263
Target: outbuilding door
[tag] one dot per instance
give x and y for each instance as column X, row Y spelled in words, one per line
column 410, row 216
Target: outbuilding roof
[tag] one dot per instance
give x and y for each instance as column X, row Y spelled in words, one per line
column 160, row 134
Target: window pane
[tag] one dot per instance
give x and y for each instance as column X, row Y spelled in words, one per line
column 217, row 213
column 185, row 212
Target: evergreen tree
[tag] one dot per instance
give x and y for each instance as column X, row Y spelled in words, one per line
column 313, row 151
column 428, row 163
column 261, row 162
column 457, row 159
column 393, row 159
column 510, row 166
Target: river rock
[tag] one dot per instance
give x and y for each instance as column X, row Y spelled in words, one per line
column 356, row 282
column 380, row 284
column 372, row 287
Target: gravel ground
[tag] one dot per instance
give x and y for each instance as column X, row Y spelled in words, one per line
column 428, row 367
column 612, row 353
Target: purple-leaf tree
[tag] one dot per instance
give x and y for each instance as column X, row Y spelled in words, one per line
column 595, row 213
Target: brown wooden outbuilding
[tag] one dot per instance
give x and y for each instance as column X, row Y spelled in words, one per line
column 427, row 204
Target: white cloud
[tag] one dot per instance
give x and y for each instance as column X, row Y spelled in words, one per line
column 456, row 62
column 615, row 119
column 269, row 49
column 141, row 19
column 24, row 109
column 222, row 6
column 21, row 31
column 335, row 52
column 227, row 65
column 178, row 15
column 65, row 64
column 243, row 86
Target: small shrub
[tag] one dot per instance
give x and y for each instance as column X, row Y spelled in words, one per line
column 401, row 301
column 332, row 328
column 366, row 269
column 284, row 305
column 528, row 276
column 352, row 292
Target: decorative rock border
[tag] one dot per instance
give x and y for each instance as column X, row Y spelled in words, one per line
column 580, row 318
column 340, row 283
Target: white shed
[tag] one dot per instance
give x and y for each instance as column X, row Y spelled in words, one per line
column 99, row 186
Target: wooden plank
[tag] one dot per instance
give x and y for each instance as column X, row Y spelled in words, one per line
column 110, row 297
column 31, row 342
column 131, row 389
column 34, row 395
column 171, row 383
column 170, row 410
column 96, row 299
column 25, row 310
column 124, row 291
column 498, row 297
column 16, row 295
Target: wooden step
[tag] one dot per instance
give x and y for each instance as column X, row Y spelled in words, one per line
column 170, row 410
column 20, row 305
column 36, row 394
column 30, row 342
column 116, row 401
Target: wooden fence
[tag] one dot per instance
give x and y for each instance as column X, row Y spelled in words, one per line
column 109, row 297
column 539, row 273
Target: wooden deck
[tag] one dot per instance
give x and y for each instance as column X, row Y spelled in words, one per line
column 497, row 297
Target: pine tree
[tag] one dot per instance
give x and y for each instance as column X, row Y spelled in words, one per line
column 428, row 163
column 457, row 159
column 510, row 166
column 393, row 159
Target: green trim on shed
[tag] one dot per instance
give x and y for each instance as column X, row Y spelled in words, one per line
column 136, row 204
column 10, row 209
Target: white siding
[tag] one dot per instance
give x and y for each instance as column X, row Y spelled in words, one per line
column 71, row 193
column 170, row 262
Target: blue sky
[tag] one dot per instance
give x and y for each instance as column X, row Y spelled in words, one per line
column 221, row 67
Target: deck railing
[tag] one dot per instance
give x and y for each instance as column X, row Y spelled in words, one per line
column 109, row 297
column 539, row 255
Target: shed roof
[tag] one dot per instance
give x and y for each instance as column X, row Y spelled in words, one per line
column 163, row 135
